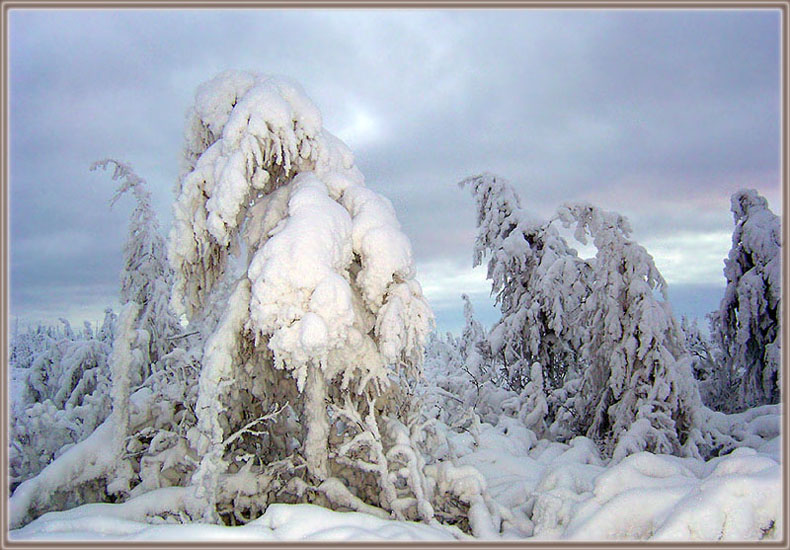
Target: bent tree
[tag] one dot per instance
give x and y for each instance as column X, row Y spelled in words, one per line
column 302, row 285
column 597, row 321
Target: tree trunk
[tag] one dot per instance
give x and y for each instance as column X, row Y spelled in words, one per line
column 316, row 444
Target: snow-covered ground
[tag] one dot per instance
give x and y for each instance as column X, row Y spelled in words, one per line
column 280, row 522
column 569, row 494
column 542, row 490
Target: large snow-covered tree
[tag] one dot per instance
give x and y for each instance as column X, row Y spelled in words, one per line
column 747, row 324
column 296, row 379
column 302, row 284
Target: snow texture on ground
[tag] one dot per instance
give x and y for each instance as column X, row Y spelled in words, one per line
column 549, row 491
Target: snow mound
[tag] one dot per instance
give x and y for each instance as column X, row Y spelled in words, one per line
column 657, row 497
column 564, row 491
column 281, row 522
column 548, row 491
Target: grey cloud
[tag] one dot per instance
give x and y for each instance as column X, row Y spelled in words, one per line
column 657, row 114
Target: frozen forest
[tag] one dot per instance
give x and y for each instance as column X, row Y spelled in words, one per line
column 274, row 372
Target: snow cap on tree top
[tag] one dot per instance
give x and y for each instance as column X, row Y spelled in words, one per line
column 272, row 196
column 744, row 201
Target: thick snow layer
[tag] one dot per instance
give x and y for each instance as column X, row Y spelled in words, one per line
column 301, row 264
column 541, row 491
column 88, row 459
column 265, row 184
column 281, row 522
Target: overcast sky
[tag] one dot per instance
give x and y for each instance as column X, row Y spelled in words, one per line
column 659, row 115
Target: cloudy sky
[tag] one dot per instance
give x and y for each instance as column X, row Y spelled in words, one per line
column 659, row 115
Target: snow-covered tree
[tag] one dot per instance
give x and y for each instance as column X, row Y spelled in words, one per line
column 747, row 324
column 630, row 386
column 157, row 353
column 637, row 391
column 302, row 284
column 475, row 357
column 296, row 378
column 146, row 277
column 73, row 384
column 538, row 282
column 715, row 379
column 473, row 341
column 535, row 410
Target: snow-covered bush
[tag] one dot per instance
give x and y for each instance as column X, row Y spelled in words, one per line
column 465, row 380
column 747, row 327
column 25, row 346
column 60, row 393
column 90, row 470
column 301, row 283
column 473, row 346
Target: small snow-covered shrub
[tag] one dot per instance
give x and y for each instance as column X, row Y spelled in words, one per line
column 60, row 393
column 464, row 378
column 84, row 471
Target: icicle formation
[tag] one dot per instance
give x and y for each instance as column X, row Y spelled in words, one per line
column 747, row 324
column 301, row 281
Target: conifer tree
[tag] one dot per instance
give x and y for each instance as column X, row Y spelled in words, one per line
column 747, row 324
